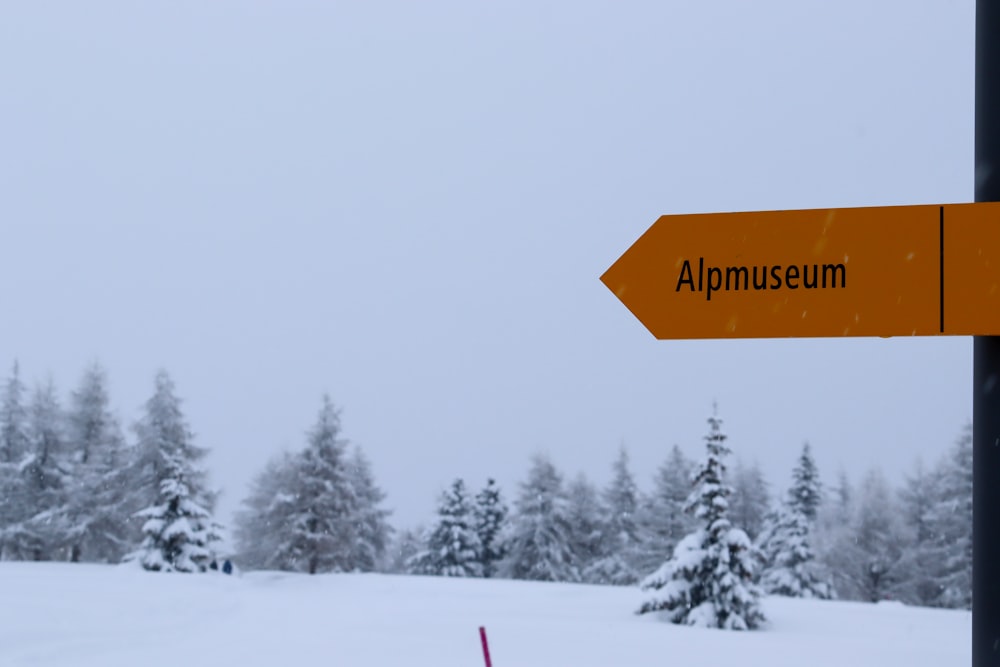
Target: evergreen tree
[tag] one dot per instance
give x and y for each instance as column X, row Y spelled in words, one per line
column 709, row 580
column 790, row 566
column 539, row 545
column 16, row 542
column 621, row 536
column 14, row 438
column 919, row 498
column 867, row 558
column 839, row 512
column 951, row 524
column 178, row 530
column 263, row 523
column 662, row 518
column 806, row 493
column 452, row 548
column 585, row 527
column 750, row 502
column 833, row 537
column 371, row 520
column 879, row 536
column 44, row 480
column 99, row 519
column 491, row 516
column 406, row 544
column 320, row 511
column 844, row 494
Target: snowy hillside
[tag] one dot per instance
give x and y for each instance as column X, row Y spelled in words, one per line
column 104, row 616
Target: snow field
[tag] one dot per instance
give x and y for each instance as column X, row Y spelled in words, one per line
column 107, row 616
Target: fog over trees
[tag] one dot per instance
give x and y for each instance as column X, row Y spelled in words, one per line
column 75, row 489
column 76, row 485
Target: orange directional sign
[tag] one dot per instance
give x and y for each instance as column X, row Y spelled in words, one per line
column 887, row 271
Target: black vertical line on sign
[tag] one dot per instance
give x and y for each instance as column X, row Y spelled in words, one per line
column 941, row 265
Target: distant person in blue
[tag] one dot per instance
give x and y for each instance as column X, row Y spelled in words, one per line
column 227, row 567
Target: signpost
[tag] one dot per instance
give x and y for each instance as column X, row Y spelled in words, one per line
column 888, row 271
column 986, row 362
column 893, row 271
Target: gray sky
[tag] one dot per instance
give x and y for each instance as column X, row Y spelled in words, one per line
column 408, row 205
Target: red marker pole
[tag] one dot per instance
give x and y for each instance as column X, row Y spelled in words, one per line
column 486, row 647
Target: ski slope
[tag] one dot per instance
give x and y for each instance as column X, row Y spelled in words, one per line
column 106, row 616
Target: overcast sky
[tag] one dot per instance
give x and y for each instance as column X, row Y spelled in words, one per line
column 408, row 205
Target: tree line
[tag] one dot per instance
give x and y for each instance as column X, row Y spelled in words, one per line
column 75, row 488
column 864, row 541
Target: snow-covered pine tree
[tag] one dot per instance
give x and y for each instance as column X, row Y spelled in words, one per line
column 373, row 530
column 844, row 495
column 16, row 541
column 263, row 524
column 44, row 478
column 14, row 440
column 880, row 535
column 406, row 544
column 452, row 548
column 320, row 509
column 806, row 493
column 838, row 512
column 100, row 524
column 317, row 510
column 867, row 561
column 621, row 535
column 919, row 498
column 178, row 531
column 709, row 580
column 584, row 516
column 491, row 516
column 790, row 565
column 539, row 545
column 832, row 537
column 951, row 521
column 751, row 500
column 662, row 517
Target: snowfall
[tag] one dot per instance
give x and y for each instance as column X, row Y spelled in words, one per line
column 104, row 616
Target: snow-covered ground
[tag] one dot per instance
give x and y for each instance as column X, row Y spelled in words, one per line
column 103, row 616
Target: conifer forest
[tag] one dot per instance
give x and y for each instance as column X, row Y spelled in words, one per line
column 703, row 537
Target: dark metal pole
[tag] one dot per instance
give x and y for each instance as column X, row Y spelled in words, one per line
column 986, row 363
